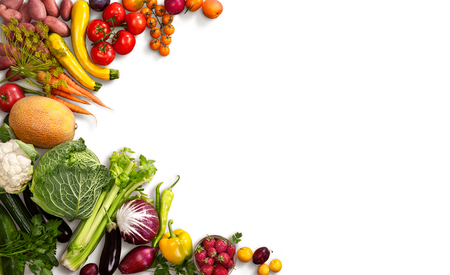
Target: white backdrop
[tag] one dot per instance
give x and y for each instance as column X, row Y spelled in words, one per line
column 319, row 129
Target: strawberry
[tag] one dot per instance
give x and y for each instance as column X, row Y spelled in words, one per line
column 220, row 270
column 221, row 245
column 212, row 252
column 230, row 264
column 231, row 250
column 200, row 253
column 206, row 269
column 223, row 258
column 209, row 242
column 209, row 261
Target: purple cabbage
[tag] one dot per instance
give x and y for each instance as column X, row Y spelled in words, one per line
column 138, row 221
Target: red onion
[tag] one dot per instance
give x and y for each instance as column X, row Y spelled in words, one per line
column 138, row 221
column 138, row 259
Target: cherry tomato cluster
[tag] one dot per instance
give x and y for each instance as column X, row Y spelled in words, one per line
column 160, row 24
column 122, row 41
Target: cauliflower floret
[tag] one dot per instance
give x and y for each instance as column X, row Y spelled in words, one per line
column 15, row 167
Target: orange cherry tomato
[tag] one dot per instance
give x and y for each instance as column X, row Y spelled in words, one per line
column 155, row 32
column 167, row 19
column 166, row 39
column 132, row 5
column 155, row 44
column 160, row 10
column 151, row 22
column 169, row 29
column 152, row 4
column 164, row 50
column 146, row 12
column 193, row 5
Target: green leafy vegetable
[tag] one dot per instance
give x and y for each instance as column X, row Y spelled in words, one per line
column 236, row 237
column 36, row 249
column 68, row 180
column 163, row 267
column 128, row 176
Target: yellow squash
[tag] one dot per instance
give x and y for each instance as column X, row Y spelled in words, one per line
column 59, row 49
column 80, row 21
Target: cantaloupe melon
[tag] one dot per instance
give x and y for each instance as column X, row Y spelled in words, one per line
column 42, row 121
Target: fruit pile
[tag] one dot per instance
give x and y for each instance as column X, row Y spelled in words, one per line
column 260, row 257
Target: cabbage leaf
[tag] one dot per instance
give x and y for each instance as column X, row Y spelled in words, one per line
column 68, row 180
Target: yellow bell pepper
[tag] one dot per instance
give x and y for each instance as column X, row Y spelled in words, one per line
column 176, row 246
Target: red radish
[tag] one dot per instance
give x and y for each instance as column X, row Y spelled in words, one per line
column 209, row 242
column 221, row 246
column 174, row 6
column 206, row 269
column 223, row 258
column 212, row 252
column 209, row 261
column 230, row 264
column 200, row 254
column 138, row 259
column 231, row 250
column 220, row 270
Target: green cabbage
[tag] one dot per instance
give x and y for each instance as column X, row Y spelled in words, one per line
column 68, row 180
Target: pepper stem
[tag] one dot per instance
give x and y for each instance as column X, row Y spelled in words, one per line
column 174, row 183
column 172, row 235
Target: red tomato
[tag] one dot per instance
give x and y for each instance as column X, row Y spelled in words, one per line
column 114, row 12
column 136, row 22
column 97, row 29
column 123, row 42
column 9, row 94
column 102, row 53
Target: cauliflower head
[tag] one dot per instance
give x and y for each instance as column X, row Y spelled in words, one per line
column 16, row 167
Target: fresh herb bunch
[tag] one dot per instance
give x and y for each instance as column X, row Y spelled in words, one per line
column 236, row 237
column 36, row 249
column 164, row 267
column 30, row 54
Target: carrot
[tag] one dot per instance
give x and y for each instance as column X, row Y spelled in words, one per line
column 40, row 76
column 70, row 82
column 69, row 96
column 74, row 108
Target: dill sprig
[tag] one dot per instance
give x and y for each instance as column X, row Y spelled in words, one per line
column 31, row 54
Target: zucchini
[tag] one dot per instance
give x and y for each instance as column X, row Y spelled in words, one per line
column 7, row 229
column 17, row 210
column 61, row 51
column 80, row 20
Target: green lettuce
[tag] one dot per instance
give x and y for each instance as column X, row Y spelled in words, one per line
column 68, row 180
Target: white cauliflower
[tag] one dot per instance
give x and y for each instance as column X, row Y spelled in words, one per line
column 16, row 167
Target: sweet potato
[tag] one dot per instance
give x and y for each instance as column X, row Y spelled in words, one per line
column 6, row 62
column 51, row 7
column 7, row 14
column 12, row 4
column 57, row 26
column 24, row 11
column 65, row 9
column 14, row 78
column 36, row 10
column 8, row 49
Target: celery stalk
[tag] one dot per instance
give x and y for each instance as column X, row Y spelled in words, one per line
column 128, row 176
